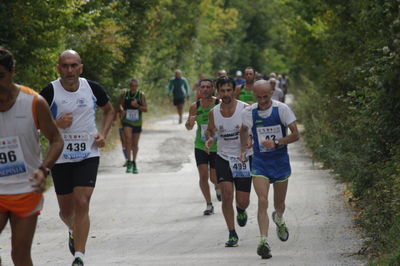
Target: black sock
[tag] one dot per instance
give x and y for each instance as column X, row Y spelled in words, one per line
column 240, row 210
column 232, row 233
column 209, row 203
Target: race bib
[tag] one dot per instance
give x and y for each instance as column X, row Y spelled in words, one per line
column 11, row 157
column 238, row 168
column 77, row 145
column 132, row 115
column 268, row 133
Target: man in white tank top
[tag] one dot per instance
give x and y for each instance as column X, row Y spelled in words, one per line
column 73, row 101
column 225, row 121
column 22, row 173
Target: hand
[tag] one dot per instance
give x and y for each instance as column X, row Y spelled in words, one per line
column 99, row 140
column 269, row 144
column 65, row 121
column 243, row 156
column 192, row 120
column 39, row 179
column 135, row 104
column 209, row 143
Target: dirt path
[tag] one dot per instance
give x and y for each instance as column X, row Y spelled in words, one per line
column 155, row 217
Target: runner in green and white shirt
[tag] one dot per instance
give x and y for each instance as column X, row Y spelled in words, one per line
column 198, row 113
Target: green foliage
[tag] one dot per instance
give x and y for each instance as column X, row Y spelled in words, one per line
column 350, row 52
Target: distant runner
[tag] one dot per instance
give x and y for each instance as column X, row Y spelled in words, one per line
column 132, row 103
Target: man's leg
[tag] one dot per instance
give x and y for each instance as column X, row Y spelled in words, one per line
column 66, row 209
column 135, row 145
column 280, row 190
column 203, row 182
column 261, row 187
column 128, row 145
column 128, row 142
column 81, row 221
column 227, row 200
column 179, row 107
column 3, row 220
column 22, row 231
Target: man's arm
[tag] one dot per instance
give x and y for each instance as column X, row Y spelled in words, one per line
column 244, row 141
column 143, row 105
column 170, row 87
column 192, row 117
column 293, row 136
column 49, row 129
column 108, row 116
column 210, row 131
column 186, row 85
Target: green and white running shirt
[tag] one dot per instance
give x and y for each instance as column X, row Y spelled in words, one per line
column 202, row 122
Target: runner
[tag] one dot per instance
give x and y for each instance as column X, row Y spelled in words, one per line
column 278, row 93
column 239, row 80
column 131, row 105
column 179, row 87
column 245, row 92
column 225, row 120
column 269, row 120
column 198, row 112
column 22, row 174
column 72, row 100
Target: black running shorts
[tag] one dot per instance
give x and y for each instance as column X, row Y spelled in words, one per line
column 203, row 157
column 178, row 101
column 135, row 129
column 66, row 176
column 224, row 174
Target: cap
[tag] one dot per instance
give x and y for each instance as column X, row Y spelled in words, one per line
column 238, row 73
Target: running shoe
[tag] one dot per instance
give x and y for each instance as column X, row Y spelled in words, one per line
column 129, row 167
column 218, row 193
column 134, row 168
column 264, row 250
column 232, row 242
column 71, row 244
column 281, row 228
column 241, row 218
column 77, row 262
column 209, row 210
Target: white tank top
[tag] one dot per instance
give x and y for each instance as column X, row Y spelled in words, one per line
column 228, row 130
column 19, row 144
column 79, row 137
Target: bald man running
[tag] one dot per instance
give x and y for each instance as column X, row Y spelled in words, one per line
column 269, row 120
column 72, row 101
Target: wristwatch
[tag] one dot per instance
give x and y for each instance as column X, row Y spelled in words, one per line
column 277, row 144
column 44, row 169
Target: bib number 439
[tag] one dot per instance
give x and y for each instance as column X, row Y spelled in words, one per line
column 76, row 146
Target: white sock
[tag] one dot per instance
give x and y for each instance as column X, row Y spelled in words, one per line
column 279, row 219
column 263, row 238
column 79, row 255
